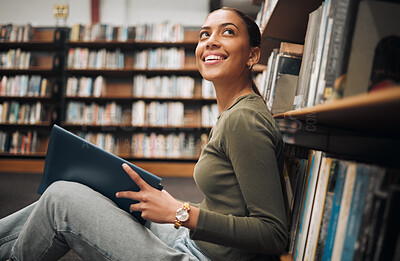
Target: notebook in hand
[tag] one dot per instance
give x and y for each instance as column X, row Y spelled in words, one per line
column 72, row 158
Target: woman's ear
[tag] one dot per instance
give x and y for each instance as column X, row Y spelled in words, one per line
column 254, row 56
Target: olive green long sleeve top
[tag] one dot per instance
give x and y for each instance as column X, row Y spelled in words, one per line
column 239, row 171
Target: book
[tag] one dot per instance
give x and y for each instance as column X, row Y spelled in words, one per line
column 343, row 14
column 389, row 232
column 356, row 208
column 343, row 216
column 284, row 65
column 376, row 180
column 308, row 204
column 318, row 208
column 300, row 99
column 72, row 158
column 333, row 220
column 327, row 209
column 296, row 205
column 318, row 49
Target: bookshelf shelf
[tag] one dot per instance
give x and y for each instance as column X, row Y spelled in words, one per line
column 131, row 44
column 42, row 70
column 130, row 72
column 161, row 168
column 375, row 112
column 132, row 128
column 35, row 155
column 133, row 98
column 25, row 125
column 31, row 46
column 46, row 98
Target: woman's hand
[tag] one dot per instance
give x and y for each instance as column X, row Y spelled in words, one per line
column 155, row 205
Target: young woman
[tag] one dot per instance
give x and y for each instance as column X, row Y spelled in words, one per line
column 243, row 214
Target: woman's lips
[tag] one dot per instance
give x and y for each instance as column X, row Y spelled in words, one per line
column 212, row 59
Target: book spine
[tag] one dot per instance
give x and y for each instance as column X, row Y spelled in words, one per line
column 355, row 213
column 344, row 211
column 316, row 216
column 305, row 220
column 333, row 220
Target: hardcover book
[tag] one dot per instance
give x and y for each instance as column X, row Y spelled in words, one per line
column 71, row 158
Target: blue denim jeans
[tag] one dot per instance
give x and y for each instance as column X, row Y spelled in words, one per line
column 72, row 216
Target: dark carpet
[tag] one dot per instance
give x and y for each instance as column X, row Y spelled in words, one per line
column 18, row 190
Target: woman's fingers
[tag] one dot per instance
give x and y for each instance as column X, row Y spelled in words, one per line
column 134, row 176
column 128, row 194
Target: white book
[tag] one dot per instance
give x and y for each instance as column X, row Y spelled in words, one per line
column 308, row 205
column 319, row 51
column 318, row 208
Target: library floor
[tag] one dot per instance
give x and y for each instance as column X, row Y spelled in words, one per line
column 19, row 190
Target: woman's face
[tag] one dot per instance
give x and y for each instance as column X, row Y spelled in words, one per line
column 223, row 49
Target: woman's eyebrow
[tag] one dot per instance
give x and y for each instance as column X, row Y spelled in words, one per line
column 221, row 25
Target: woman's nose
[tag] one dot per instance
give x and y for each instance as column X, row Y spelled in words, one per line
column 213, row 41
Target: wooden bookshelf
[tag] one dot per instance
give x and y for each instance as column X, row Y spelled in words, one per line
column 46, row 49
column 375, row 112
column 288, row 23
column 364, row 127
column 132, row 44
column 161, row 168
column 130, row 72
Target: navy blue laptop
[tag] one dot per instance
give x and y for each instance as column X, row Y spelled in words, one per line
column 71, row 158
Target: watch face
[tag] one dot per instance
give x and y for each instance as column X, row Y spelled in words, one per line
column 182, row 215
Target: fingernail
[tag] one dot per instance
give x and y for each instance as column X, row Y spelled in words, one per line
column 117, row 194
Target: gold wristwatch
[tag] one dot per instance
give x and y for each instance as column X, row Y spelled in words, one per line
column 182, row 215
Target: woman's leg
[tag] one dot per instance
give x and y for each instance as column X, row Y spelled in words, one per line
column 71, row 215
column 10, row 227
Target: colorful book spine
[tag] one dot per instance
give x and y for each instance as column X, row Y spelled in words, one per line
column 356, row 208
column 330, row 239
column 305, row 220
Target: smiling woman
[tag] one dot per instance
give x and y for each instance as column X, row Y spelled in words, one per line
column 243, row 215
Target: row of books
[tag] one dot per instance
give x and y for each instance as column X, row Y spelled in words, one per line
column 94, row 114
column 163, row 86
column 22, row 113
column 158, row 113
column 101, row 32
column 106, row 141
column 143, row 86
column 16, row 33
column 209, row 115
column 19, row 142
column 334, row 66
column 23, row 85
column 160, row 58
column 341, row 210
column 85, row 86
column 84, row 58
column 263, row 15
column 15, row 59
column 278, row 82
column 171, row 145
column 327, row 67
column 159, row 32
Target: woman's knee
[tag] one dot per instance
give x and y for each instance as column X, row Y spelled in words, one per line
column 63, row 192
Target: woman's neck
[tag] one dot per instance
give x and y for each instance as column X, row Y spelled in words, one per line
column 227, row 94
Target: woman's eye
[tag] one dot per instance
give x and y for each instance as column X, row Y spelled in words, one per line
column 228, row 31
column 203, row 35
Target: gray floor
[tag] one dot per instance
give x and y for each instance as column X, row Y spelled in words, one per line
column 19, row 190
